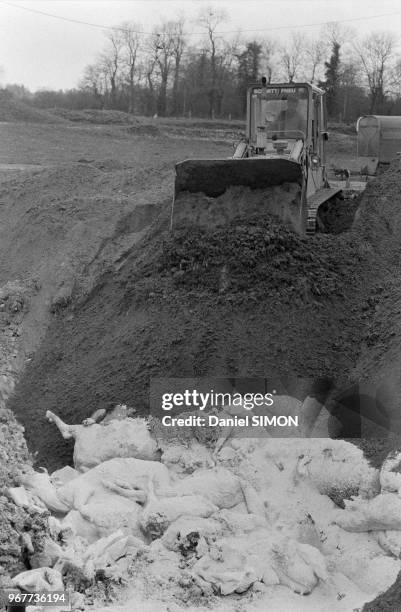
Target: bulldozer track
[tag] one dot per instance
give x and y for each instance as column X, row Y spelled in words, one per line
column 313, row 207
column 311, row 221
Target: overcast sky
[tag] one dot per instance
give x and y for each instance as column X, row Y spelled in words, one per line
column 41, row 51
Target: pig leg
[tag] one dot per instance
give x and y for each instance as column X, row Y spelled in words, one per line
column 81, row 499
column 122, row 488
column 225, row 434
column 253, row 501
column 67, row 431
column 97, row 416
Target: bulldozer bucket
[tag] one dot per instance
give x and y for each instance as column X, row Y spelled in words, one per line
column 213, row 176
column 200, row 196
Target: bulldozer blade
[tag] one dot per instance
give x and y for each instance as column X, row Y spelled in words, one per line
column 272, row 186
column 214, row 176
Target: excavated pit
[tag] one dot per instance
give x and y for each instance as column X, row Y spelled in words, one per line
column 237, row 300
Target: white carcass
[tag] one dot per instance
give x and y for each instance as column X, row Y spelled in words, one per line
column 40, row 579
column 96, row 443
column 381, row 513
column 102, row 499
column 234, row 564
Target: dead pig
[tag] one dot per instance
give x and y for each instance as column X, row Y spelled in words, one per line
column 96, row 443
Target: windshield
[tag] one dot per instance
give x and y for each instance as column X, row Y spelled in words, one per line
column 280, row 112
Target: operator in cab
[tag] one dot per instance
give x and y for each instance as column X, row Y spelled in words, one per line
column 290, row 118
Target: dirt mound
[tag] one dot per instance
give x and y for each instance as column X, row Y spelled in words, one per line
column 151, row 130
column 257, row 255
column 97, row 116
column 377, row 228
column 223, row 131
column 12, row 109
column 59, row 217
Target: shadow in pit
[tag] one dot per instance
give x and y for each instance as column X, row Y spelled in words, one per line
column 337, row 215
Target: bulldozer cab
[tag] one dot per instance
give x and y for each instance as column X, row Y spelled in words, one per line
column 286, row 112
column 274, row 113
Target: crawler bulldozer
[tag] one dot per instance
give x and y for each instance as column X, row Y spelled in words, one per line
column 280, row 163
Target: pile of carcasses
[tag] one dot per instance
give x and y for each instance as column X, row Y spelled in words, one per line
column 181, row 525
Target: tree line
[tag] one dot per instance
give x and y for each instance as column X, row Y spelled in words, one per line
column 165, row 74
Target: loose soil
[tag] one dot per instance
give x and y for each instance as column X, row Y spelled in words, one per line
column 14, row 521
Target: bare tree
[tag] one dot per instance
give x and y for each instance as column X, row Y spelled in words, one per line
column 94, row 80
column 160, row 73
column 111, row 60
column 336, row 36
column 149, row 66
column 337, row 33
column 375, row 53
column 395, row 79
column 165, row 45
column 249, row 58
column 178, row 50
column 349, row 81
column 292, row 56
column 195, row 79
column 210, row 19
column 131, row 41
column 315, row 52
column 268, row 60
column 224, row 70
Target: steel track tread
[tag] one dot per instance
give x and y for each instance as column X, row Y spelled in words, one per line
column 313, row 204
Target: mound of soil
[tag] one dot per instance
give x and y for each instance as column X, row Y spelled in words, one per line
column 377, row 229
column 93, row 115
column 12, row 109
column 109, row 117
column 152, row 130
column 253, row 256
